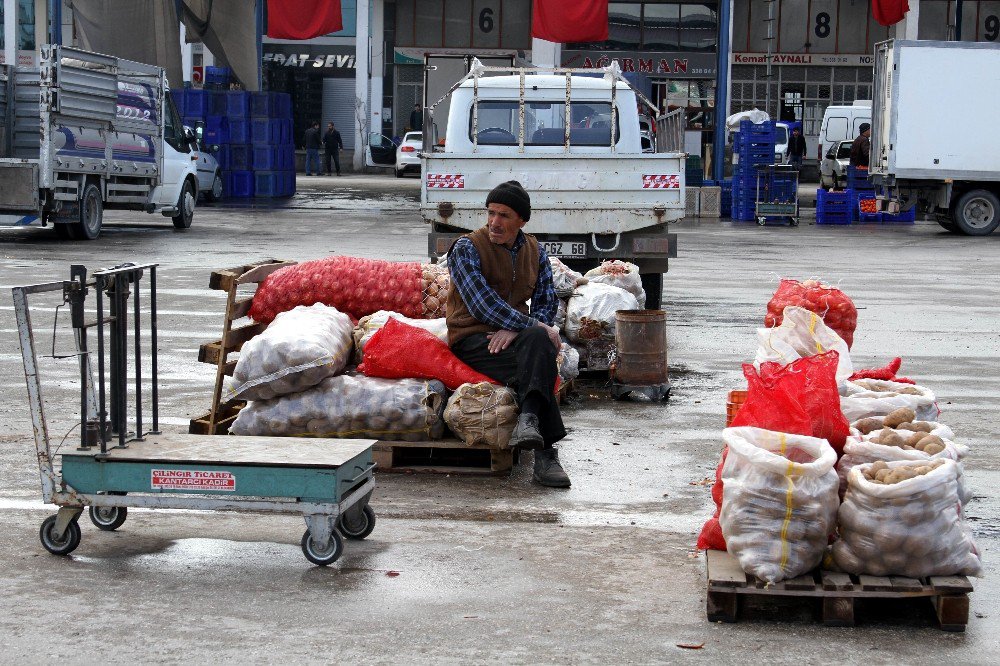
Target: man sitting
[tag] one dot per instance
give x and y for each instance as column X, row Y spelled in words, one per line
column 495, row 271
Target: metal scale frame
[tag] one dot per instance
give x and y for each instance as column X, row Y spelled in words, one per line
column 118, row 463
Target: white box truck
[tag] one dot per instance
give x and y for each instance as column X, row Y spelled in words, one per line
column 574, row 143
column 86, row 132
column 934, row 141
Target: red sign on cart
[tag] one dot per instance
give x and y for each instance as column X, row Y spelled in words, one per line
column 190, row 479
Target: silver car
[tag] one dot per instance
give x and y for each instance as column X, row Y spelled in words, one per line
column 833, row 168
column 209, row 173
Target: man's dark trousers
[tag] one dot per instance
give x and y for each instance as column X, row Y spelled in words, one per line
column 527, row 365
column 335, row 156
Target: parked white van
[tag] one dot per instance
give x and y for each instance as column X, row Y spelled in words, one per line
column 841, row 123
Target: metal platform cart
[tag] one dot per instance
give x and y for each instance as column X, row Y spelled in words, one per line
column 118, row 463
column 777, row 193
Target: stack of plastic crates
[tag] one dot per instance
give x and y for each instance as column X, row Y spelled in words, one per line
column 860, row 189
column 753, row 145
column 726, row 201
column 833, row 207
column 253, row 132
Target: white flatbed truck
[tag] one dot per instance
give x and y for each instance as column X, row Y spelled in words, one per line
column 594, row 194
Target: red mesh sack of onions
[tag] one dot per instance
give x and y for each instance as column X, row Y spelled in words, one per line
column 834, row 306
column 357, row 287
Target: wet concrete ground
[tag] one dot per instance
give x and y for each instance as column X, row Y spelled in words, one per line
column 490, row 569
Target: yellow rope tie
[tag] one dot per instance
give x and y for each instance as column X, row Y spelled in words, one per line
column 788, row 506
column 812, row 331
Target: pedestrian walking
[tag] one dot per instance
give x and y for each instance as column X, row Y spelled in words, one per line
column 416, row 119
column 333, row 144
column 796, row 148
column 313, row 144
column 861, row 147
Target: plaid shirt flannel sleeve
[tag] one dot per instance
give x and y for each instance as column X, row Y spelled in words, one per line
column 544, row 302
column 483, row 302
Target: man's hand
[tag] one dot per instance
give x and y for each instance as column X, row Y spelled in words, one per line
column 500, row 340
column 553, row 335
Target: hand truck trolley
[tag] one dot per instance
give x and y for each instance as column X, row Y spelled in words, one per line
column 777, row 193
column 119, row 464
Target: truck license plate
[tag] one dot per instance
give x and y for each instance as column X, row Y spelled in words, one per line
column 565, row 249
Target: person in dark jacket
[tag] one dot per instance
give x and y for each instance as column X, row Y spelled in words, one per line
column 333, row 144
column 862, row 146
column 796, row 148
column 495, row 271
column 313, row 144
column 416, row 119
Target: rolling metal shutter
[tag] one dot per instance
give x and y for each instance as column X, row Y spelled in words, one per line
column 338, row 106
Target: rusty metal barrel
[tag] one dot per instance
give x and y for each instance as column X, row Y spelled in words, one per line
column 641, row 338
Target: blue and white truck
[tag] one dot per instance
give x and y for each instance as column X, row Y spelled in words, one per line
column 85, row 133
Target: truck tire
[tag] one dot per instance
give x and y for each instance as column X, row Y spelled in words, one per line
column 88, row 226
column 185, row 207
column 977, row 213
column 946, row 223
column 652, row 284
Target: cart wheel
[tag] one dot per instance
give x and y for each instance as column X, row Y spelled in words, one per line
column 108, row 518
column 794, row 221
column 331, row 554
column 360, row 528
column 761, row 220
column 70, row 539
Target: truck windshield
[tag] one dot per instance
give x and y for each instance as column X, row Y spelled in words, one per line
column 544, row 124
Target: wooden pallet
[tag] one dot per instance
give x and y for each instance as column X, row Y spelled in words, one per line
column 218, row 352
column 837, row 592
column 443, row 456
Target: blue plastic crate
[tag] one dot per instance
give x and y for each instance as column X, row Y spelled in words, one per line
column 195, row 103
column 286, row 130
column 265, row 183
column 288, row 157
column 283, row 104
column 227, row 183
column 909, row 217
column 823, row 217
column 218, row 75
column 177, row 95
column 242, row 183
column 265, row 158
column 262, row 104
column 239, row 130
column 286, row 183
column 858, row 179
column 237, row 104
column 240, row 157
column 260, row 131
column 216, row 130
column 217, row 103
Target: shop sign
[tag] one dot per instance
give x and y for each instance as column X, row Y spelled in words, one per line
column 841, row 59
column 658, row 65
column 335, row 61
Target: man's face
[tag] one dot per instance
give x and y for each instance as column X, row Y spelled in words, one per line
column 503, row 224
column 330, row 126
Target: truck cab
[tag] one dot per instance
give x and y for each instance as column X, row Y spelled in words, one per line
column 572, row 138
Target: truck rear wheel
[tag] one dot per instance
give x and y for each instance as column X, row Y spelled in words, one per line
column 977, row 213
column 91, row 214
column 652, row 284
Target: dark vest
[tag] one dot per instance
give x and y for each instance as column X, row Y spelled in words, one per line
column 513, row 280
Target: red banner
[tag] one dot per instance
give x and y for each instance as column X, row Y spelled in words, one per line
column 889, row 12
column 564, row 21
column 303, row 19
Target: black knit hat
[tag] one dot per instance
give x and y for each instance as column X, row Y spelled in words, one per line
column 864, row 128
column 511, row 194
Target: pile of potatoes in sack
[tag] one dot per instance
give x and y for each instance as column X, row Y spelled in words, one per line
column 858, row 460
column 318, row 371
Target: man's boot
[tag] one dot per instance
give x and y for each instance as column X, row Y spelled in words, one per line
column 526, row 434
column 548, row 471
